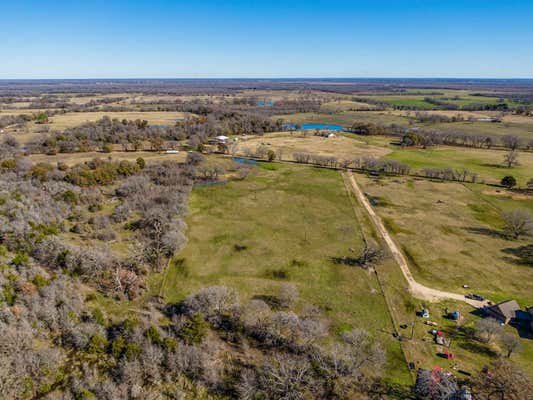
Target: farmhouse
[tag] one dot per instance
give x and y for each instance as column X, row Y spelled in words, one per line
column 505, row 311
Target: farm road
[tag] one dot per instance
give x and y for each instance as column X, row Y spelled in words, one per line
column 417, row 290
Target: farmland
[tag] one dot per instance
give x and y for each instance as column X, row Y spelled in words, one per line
column 287, row 222
column 211, row 198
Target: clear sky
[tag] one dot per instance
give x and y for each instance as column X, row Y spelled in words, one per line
column 237, row 38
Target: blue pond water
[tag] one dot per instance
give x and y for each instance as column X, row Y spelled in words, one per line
column 322, row 126
column 265, row 103
column 305, row 127
column 243, row 160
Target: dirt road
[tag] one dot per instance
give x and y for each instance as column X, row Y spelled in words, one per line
column 417, row 290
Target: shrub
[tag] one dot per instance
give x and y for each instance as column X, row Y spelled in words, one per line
column 132, row 351
column 140, row 162
column 69, row 197
column 97, row 344
column 40, row 281
column 194, row 330
column 508, row 181
column 20, row 259
column 153, row 335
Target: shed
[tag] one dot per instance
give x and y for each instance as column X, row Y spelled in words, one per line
column 504, row 311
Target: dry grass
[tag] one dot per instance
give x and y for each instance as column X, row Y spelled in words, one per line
column 341, row 147
column 153, row 117
column 451, row 234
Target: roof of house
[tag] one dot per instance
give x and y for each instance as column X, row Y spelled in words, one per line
column 507, row 308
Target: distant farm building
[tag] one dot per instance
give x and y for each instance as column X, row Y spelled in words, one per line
column 221, row 139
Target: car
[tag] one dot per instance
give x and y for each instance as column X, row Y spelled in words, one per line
column 474, row 296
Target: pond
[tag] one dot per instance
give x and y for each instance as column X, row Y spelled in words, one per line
column 322, row 126
column 243, row 160
column 265, row 103
column 305, row 127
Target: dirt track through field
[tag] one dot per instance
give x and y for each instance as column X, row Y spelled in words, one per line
column 417, row 290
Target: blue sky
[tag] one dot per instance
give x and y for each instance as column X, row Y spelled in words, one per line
column 128, row 39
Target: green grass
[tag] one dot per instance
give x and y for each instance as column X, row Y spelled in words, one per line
column 443, row 253
column 524, row 130
column 288, row 223
column 488, row 164
column 452, row 236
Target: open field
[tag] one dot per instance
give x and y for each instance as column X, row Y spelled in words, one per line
column 451, row 237
column 290, row 220
column 435, row 238
column 345, row 105
column 488, row 164
column 341, row 147
column 346, row 118
column 69, row 120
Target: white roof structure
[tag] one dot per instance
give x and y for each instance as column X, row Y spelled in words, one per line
column 222, row 137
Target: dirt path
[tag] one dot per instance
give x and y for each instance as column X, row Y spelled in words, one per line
column 417, row 290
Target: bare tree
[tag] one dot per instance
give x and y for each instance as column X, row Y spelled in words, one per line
column 511, row 344
column 511, row 159
column 511, row 141
column 488, row 328
column 503, row 380
column 517, row 223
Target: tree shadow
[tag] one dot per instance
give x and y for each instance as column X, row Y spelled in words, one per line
column 522, row 255
column 349, row 261
column 478, row 347
column 485, row 231
column 492, row 165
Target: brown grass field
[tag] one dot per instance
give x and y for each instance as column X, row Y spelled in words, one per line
column 341, row 147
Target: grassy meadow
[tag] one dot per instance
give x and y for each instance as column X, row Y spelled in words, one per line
column 452, row 236
column 282, row 224
column 342, row 147
column 488, row 164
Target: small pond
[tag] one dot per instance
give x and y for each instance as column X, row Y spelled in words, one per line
column 244, row 160
column 322, row 126
column 305, row 127
column 265, row 103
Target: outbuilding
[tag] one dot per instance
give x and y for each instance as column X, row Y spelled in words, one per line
column 504, row 311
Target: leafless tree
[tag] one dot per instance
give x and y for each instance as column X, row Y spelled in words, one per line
column 503, row 380
column 518, row 222
column 488, row 328
column 511, row 141
column 511, row 343
column 511, row 158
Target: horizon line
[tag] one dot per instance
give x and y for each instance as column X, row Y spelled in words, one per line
column 266, row 78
